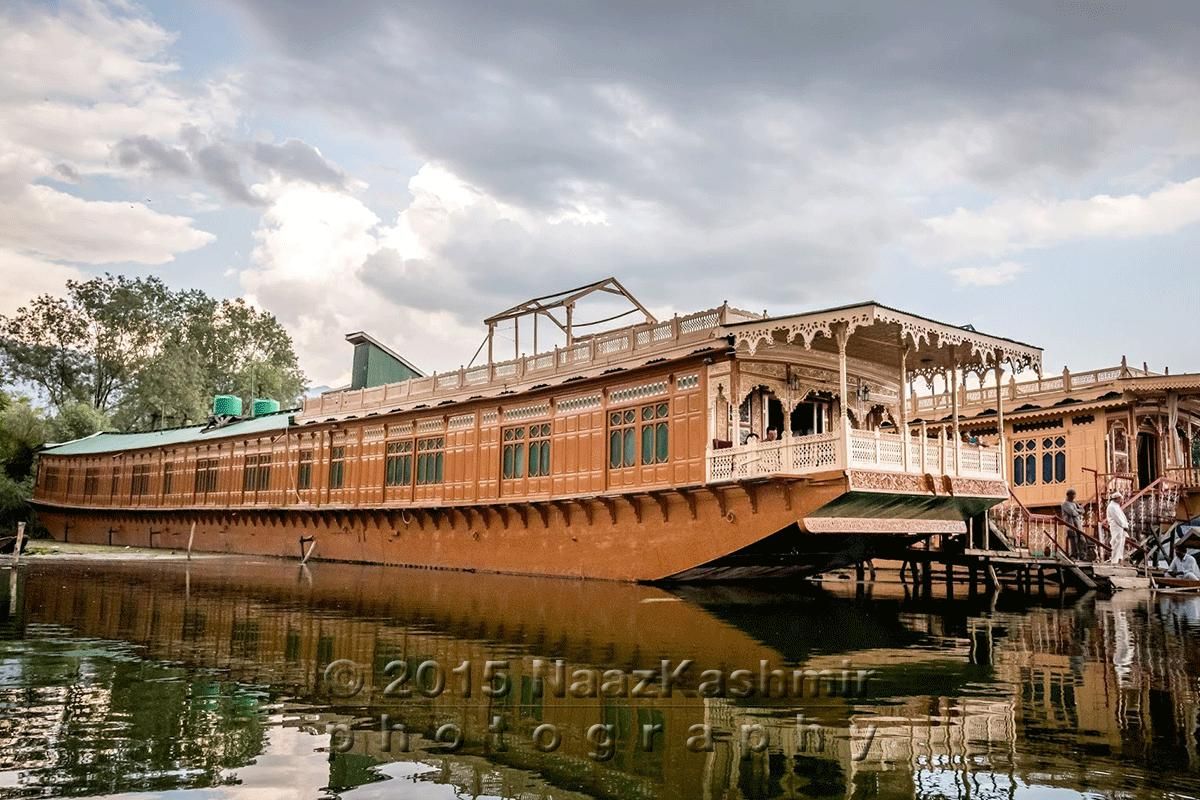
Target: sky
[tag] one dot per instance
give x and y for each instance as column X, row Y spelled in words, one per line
column 1031, row 168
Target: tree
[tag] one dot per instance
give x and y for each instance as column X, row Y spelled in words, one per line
column 77, row 420
column 22, row 432
column 145, row 354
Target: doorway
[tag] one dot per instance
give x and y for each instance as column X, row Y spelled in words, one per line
column 1147, row 459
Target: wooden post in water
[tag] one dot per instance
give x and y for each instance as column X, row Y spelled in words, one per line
column 20, row 543
column 191, row 538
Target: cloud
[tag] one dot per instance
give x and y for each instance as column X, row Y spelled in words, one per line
column 307, row 268
column 85, row 76
column 26, row 277
column 295, row 160
column 1010, row 226
column 218, row 163
column 993, row 275
column 57, row 226
column 143, row 151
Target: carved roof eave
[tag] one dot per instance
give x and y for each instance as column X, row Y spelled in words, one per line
column 967, row 349
column 1187, row 381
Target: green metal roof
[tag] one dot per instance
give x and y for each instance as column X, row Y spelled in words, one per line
column 116, row 442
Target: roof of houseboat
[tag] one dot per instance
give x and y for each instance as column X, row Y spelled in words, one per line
column 112, row 441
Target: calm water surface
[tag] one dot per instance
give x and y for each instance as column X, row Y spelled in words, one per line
column 230, row 679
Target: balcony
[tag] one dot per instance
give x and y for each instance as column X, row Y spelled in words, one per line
column 876, row 451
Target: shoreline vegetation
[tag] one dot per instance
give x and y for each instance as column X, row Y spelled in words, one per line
column 118, row 353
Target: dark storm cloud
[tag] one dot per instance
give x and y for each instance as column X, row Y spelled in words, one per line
column 788, row 148
column 525, row 98
column 298, row 161
column 143, row 151
column 219, row 163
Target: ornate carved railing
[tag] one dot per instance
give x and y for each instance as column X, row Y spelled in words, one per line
column 793, row 455
column 1038, row 534
column 873, row 450
column 600, row 349
column 1186, row 477
column 1013, row 391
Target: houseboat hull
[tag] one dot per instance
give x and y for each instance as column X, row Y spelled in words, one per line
column 766, row 528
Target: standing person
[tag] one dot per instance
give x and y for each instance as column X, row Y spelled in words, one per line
column 1118, row 528
column 1072, row 514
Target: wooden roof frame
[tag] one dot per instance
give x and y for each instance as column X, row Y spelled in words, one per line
column 547, row 304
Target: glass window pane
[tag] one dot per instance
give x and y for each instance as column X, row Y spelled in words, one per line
column 1030, row 470
column 1047, row 468
column 518, row 462
column 647, row 444
column 545, row 458
column 630, row 448
column 661, row 411
column 508, row 461
column 614, row 449
column 1019, row 471
column 662, row 450
column 1060, row 467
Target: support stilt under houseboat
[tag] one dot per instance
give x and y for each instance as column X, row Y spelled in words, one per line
column 713, row 446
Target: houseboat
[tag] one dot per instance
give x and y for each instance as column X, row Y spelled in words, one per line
column 1119, row 431
column 722, row 444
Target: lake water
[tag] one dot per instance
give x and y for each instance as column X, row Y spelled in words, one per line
column 228, row 679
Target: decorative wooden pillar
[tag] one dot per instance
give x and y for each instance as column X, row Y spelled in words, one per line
column 924, row 447
column 1000, row 419
column 954, row 414
column 904, row 437
column 842, row 335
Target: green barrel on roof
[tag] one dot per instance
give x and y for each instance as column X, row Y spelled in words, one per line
column 227, row 405
column 263, row 406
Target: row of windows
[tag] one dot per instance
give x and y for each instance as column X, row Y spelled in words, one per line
column 1053, row 460
column 525, row 452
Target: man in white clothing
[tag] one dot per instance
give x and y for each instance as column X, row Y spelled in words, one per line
column 1184, row 565
column 1118, row 528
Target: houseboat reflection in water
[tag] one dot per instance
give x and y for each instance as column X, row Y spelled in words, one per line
column 269, row 678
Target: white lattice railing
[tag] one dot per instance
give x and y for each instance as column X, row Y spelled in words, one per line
column 792, row 455
column 1020, row 390
column 874, row 450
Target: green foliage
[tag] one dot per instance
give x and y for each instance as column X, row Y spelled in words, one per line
column 14, row 503
column 23, row 429
column 149, row 356
column 77, row 420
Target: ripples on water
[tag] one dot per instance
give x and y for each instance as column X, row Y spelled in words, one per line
column 161, row 679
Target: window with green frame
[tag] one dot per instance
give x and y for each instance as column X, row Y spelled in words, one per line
column 622, row 438
column 399, row 464
column 656, row 448
column 304, row 470
column 512, row 453
column 539, row 450
column 430, row 458
column 526, row 446
column 337, row 467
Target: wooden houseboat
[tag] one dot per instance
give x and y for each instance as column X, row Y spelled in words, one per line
column 717, row 445
column 1120, row 429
